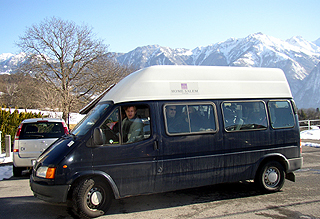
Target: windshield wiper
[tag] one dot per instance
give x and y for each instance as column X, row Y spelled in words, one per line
column 73, row 135
column 65, row 136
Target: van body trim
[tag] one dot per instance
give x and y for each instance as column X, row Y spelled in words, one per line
column 98, row 173
column 247, row 151
column 111, row 182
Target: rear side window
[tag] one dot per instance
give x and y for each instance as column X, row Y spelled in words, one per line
column 244, row 116
column 190, row 118
column 41, row 130
column 281, row 114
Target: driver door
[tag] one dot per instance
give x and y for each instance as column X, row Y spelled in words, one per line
column 130, row 165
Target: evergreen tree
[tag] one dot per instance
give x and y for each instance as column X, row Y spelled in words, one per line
column 9, row 122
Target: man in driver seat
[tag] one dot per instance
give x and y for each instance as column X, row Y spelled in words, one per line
column 132, row 128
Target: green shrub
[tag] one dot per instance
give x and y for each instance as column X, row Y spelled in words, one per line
column 9, row 123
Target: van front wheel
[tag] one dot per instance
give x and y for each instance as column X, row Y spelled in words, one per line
column 91, row 198
column 270, row 178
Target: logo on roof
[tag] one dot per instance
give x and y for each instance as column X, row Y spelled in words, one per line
column 190, row 88
column 184, row 86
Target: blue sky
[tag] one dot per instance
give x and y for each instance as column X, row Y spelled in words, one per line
column 125, row 25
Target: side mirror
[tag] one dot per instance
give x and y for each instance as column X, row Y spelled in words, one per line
column 97, row 136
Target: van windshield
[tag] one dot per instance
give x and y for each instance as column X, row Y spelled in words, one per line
column 90, row 119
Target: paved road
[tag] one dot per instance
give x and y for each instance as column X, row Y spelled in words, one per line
column 237, row 200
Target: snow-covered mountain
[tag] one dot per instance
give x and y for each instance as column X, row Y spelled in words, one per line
column 10, row 62
column 309, row 95
column 317, row 42
column 154, row 55
column 297, row 57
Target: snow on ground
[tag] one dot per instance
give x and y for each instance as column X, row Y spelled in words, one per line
column 313, row 134
column 4, row 159
column 5, row 170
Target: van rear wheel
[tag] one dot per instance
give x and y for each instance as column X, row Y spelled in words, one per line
column 91, row 198
column 270, row 178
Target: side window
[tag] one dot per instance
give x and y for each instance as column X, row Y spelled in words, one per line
column 281, row 114
column 190, row 118
column 246, row 115
column 111, row 128
column 133, row 126
column 135, row 123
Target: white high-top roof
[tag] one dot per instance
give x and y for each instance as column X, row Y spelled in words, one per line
column 200, row 82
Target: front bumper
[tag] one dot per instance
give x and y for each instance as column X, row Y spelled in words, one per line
column 50, row 193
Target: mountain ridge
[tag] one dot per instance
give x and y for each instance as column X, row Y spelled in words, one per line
column 297, row 57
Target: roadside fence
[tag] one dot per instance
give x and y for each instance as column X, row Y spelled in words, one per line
column 307, row 124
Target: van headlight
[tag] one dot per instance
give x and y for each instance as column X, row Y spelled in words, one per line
column 46, row 172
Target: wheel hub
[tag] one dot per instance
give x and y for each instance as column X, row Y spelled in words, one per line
column 94, row 197
column 271, row 177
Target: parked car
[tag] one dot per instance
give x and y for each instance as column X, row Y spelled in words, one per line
column 32, row 138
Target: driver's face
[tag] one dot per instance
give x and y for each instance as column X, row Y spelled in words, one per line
column 130, row 112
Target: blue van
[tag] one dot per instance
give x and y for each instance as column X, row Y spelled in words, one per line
column 165, row 128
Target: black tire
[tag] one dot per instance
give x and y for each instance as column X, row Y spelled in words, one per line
column 270, row 178
column 17, row 171
column 91, row 198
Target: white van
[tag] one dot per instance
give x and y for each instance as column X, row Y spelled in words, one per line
column 32, row 138
column 165, row 128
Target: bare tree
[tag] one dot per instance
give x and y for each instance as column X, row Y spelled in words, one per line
column 68, row 56
column 11, row 90
column 19, row 91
